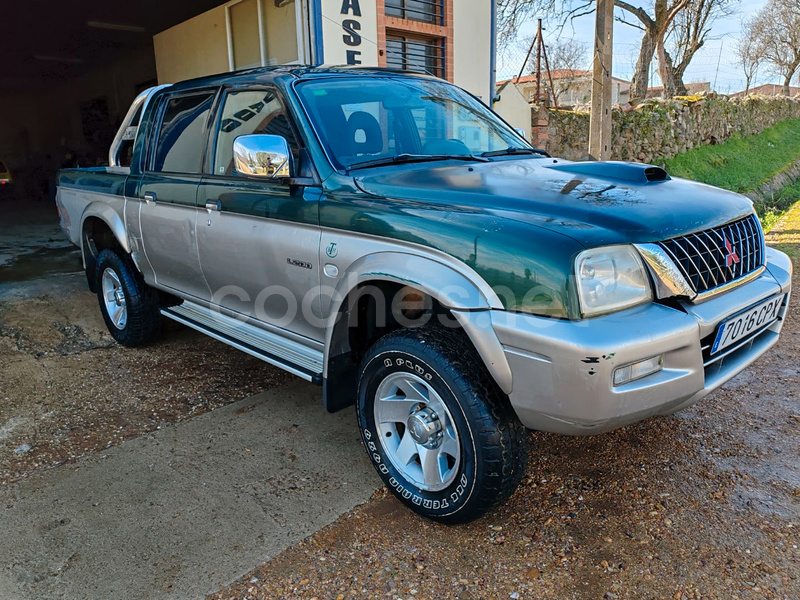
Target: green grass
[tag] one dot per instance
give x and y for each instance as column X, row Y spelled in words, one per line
column 742, row 164
column 770, row 211
column 787, row 237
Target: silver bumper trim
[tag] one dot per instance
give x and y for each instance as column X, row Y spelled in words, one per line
column 563, row 370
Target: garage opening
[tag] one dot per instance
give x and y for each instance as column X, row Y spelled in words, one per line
column 71, row 72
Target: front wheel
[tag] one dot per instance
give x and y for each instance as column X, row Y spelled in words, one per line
column 438, row 430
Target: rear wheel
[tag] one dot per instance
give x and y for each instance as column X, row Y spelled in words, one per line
column 436, row 427
column 129, row 306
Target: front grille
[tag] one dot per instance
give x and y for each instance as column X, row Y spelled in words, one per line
column 714, row 257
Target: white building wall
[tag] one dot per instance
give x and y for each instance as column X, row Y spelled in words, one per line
column 515, row 109
column 350, row 38
column 200, row 46
column 472, row 41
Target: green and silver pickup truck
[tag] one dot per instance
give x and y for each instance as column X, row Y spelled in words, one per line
column 388, row 237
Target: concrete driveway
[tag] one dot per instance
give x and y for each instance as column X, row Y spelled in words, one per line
column 177, row 513
column 114, row 486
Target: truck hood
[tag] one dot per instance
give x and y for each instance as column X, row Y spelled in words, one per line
column 594, row 203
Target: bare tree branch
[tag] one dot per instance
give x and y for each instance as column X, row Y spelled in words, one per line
column 655, row 22
column 689, row 32
column 775, row 33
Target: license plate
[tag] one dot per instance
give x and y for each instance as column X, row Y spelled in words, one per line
column 739, row 327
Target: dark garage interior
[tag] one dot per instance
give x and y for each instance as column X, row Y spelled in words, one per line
column 70, row 71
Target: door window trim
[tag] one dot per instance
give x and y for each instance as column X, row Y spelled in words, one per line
column 211, row 144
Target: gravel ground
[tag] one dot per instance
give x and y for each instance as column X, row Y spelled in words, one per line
column 705, row 504
column 67, row 389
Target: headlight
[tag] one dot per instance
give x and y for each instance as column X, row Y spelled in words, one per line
column 610, row 279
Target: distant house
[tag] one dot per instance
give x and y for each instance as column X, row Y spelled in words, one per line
column 768, row 89
column 692, row 89
column 572, row 87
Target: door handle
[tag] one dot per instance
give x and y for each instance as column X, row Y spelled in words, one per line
column 214, row 205
column 150, row 197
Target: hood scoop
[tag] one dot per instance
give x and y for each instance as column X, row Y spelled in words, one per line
column 625, row 171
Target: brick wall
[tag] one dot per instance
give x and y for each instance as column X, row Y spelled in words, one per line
column 395, row 25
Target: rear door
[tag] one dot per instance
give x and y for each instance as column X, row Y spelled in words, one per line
column 259, row 250
column 167, row 191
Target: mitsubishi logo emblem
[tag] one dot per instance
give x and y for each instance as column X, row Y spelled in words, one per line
column 731, row 258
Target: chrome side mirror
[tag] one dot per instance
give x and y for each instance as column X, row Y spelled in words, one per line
column 262, row 155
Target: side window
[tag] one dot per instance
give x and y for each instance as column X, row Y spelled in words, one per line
column 181, row 139
column 248, row 112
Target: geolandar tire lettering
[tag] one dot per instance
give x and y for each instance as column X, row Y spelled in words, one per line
column 437, row 429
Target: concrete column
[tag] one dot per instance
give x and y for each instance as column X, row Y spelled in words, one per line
column 600, row 122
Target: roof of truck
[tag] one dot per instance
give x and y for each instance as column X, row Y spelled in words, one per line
column 267, row 74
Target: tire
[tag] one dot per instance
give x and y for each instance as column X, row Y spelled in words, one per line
column 129, row 306
column 425, row 398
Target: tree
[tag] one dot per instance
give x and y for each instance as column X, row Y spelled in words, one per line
column 777, row 31
column 689, row 32
column 750, row 54
column 655, row 31
column 654, row 24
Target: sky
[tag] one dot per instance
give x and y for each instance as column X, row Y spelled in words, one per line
column 715, row 62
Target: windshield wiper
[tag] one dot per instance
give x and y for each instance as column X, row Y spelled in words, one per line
column 408, row 158
column 510, row 151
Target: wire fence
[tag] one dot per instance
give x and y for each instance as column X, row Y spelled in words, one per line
column 714, row 64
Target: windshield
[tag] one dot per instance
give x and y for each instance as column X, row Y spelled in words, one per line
column 364, row 120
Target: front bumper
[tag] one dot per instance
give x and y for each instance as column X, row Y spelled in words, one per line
column 562, row 371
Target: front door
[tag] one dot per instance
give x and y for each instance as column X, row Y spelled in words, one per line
column 167, row 194
column 259, row 239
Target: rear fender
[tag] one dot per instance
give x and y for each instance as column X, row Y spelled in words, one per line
column 109, row 211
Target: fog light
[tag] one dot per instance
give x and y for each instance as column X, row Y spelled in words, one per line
column 637, row 370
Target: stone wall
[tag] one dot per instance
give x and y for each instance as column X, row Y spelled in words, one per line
column 656, row 130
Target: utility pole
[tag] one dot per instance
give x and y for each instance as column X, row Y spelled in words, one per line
column 600, row 120
column 539, row 62
column 541, row 52
column 493, row 58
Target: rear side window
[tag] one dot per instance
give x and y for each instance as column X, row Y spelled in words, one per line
column 2, row 168
column 182, row 136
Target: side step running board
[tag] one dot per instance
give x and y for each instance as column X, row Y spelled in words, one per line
column 287, row 354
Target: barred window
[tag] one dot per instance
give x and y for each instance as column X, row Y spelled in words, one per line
column 427, row 11
column 423, row 55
